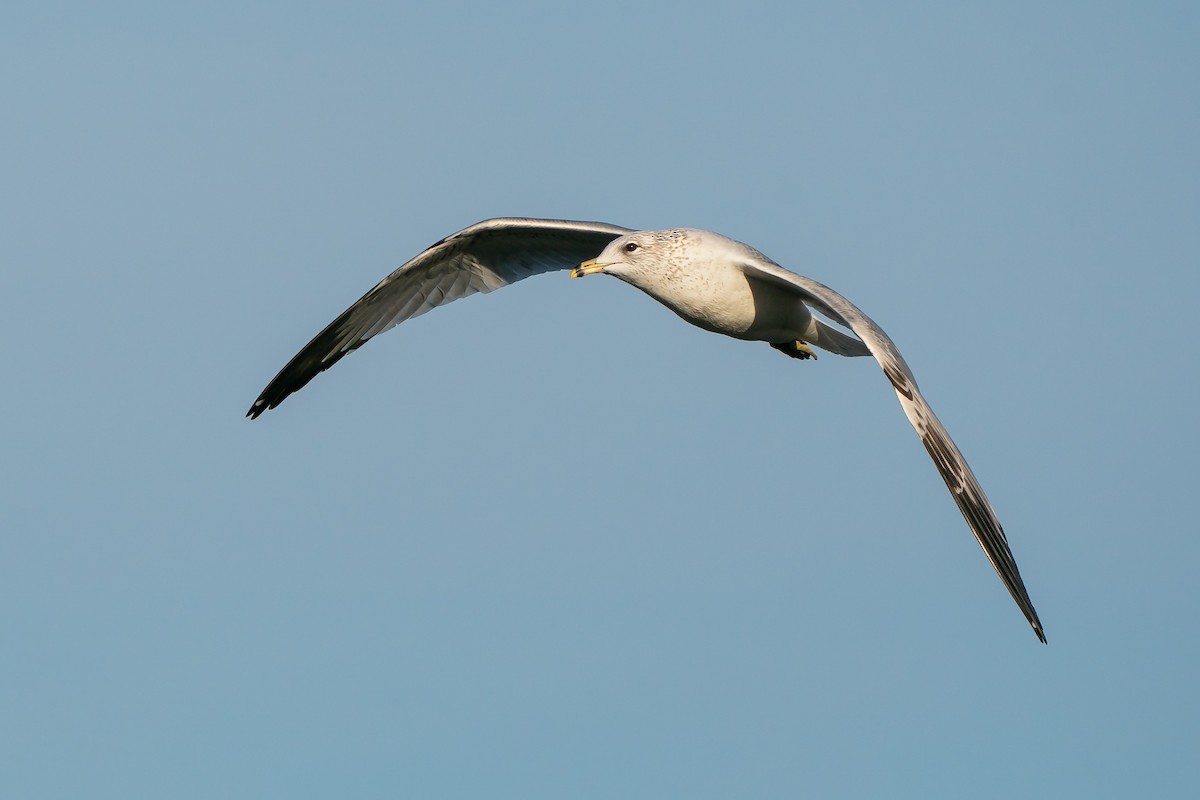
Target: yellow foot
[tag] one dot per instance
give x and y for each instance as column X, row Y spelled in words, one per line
column 796, row 349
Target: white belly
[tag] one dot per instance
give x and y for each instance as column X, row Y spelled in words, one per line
column 725, row 301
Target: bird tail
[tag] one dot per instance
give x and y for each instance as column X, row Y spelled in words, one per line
column 833, row 340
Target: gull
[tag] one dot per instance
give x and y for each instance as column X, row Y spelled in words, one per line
column 711, row 281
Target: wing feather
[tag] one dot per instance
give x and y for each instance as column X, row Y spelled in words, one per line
column 480, row 258
column 960, row 480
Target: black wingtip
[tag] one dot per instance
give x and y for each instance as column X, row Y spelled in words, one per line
column 304, row 366
column 1022, row 598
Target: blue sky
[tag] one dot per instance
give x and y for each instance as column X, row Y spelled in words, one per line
column 553, row 542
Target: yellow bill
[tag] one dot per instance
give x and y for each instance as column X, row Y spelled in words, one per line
column 587, row 268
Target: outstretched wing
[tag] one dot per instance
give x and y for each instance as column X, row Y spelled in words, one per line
column 480, row 258
column 964, row 487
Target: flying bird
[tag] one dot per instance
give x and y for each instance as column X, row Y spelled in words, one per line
column 709, row 280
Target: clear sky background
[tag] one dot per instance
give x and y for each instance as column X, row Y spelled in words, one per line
column 553, row 542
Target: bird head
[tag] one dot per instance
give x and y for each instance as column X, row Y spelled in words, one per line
column 640, row 258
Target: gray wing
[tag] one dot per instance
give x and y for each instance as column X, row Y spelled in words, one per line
column 964, row 487
column 480, row 258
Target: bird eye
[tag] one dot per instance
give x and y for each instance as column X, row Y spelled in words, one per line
column 631, row 246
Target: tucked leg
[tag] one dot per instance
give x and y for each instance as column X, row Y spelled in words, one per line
column 795, row 349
